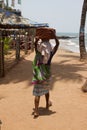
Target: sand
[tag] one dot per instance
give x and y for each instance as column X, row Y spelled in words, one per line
column 69, row 109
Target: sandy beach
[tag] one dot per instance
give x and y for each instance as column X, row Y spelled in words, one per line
column 69, row 109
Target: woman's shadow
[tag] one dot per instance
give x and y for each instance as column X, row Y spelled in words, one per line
column 44, row 112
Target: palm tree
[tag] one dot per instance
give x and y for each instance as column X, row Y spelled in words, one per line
column 83, row 54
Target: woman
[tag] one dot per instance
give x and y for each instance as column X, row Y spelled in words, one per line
column 41, row 71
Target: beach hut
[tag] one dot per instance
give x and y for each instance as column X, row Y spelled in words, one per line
column 83, row 54
column 12, row 24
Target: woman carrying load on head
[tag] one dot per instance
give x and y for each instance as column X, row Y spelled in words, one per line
column 41, row 70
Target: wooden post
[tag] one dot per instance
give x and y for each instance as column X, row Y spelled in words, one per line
column 17, row 48
column 1, row 58
column 32, row 33
column 26, row 43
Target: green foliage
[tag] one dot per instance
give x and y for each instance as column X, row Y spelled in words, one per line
column 8, row 8
column 6, row 42
column 0, row 6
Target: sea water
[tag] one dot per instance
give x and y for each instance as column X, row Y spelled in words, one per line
column 71, row 43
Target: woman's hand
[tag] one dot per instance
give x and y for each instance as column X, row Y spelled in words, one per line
column 37, row 38
column 35, row 43
column 53, row 33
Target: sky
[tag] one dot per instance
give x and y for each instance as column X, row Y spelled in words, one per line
column 63, row 15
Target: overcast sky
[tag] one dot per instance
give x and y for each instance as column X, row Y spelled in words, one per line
column 63, row 15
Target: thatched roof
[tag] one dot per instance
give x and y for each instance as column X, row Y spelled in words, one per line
column 9, row 19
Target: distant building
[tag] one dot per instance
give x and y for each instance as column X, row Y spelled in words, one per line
column 2, row 3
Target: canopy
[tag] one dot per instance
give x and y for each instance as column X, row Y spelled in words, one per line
column 10, row 18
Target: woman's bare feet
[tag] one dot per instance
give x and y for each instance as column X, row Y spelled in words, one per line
column 49, row 105
column 36, row 114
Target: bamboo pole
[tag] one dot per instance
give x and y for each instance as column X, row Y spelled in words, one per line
column 1, row 58
column 17, row 48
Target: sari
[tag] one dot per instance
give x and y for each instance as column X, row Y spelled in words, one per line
column 41, row 76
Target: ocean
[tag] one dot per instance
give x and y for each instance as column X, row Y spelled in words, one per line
column 71, row 44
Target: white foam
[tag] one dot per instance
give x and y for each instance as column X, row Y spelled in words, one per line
column 71, row 43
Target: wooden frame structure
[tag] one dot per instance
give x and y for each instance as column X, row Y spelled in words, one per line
column 9, row 30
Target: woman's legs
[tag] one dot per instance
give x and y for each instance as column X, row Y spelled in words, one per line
column 47, row 99
column 36, row 102
column 48, row 103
